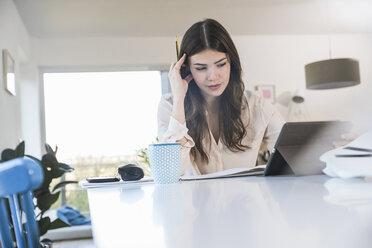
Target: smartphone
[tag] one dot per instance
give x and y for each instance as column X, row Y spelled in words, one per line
column 185, row 71
column 102, row 179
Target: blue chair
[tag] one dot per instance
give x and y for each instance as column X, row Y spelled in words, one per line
column 18, row 178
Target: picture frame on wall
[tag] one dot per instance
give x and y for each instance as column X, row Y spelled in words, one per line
column 9, row 72
column 267, row 91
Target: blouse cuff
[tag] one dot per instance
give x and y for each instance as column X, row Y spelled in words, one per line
column 176, row 131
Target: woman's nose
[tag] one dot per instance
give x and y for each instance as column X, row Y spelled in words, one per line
column 212, row 74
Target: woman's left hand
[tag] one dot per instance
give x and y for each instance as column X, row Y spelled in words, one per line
column 178, row 84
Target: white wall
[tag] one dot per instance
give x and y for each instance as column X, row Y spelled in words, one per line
column 13, row 127
column 31, row 122
column 278, row 60
column 281, row 59
column 107, row 53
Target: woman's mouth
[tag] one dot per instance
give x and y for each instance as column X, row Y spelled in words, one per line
column 214, row 86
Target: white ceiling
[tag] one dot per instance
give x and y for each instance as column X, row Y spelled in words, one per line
column 112, row 18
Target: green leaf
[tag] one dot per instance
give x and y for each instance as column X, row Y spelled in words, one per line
column 64, row 183
column 7, row 154
column 58, row 223
column 57, row 172
column 65, row 167
column 47, row 179
column 60, row 170
column 39, row 192
column 44, row 224
column 20, row 150
column 45, row 201
column 49, row 161
column 49, row 149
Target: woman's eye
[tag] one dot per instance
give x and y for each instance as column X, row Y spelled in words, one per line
column 200, row 68
column 221, row 65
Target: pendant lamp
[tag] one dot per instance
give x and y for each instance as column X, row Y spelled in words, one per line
column 332, row 73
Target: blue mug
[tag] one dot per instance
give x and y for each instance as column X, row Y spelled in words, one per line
column 165, row 162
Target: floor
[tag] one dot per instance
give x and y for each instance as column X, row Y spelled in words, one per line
column 77, row 243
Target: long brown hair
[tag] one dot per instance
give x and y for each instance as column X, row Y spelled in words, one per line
column 209, row 34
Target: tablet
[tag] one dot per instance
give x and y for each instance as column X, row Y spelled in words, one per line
column 300, row 144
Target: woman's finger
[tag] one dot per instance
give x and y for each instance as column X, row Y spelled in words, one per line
column 172, row 66
column 180, row 62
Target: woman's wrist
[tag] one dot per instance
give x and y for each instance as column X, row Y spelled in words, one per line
column 178, row 111
column 178, row 100
column 182, row 141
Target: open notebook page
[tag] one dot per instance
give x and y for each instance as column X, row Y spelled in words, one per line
column 253, row 171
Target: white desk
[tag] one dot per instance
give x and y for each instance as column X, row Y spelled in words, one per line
column 314, row 211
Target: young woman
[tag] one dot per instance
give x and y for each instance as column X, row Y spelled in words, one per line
column 219, row 125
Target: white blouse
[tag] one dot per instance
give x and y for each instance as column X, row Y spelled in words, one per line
column 262, row 121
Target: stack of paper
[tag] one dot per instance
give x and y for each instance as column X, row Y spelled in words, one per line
column 352, row 160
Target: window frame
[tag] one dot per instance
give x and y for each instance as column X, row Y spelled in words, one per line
column 165, row 88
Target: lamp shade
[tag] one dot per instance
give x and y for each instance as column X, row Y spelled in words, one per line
column 332, row 73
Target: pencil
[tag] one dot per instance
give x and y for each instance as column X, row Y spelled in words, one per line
column 177, row 50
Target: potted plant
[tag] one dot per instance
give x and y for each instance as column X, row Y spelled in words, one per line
column 45, row 195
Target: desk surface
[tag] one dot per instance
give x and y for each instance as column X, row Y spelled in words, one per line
column 313, row 211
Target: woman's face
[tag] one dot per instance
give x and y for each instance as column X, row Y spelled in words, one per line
column 211, row 72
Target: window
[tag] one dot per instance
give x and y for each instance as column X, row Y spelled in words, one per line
column 99, row 120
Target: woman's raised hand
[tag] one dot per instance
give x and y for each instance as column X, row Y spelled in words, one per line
column 179, row 86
